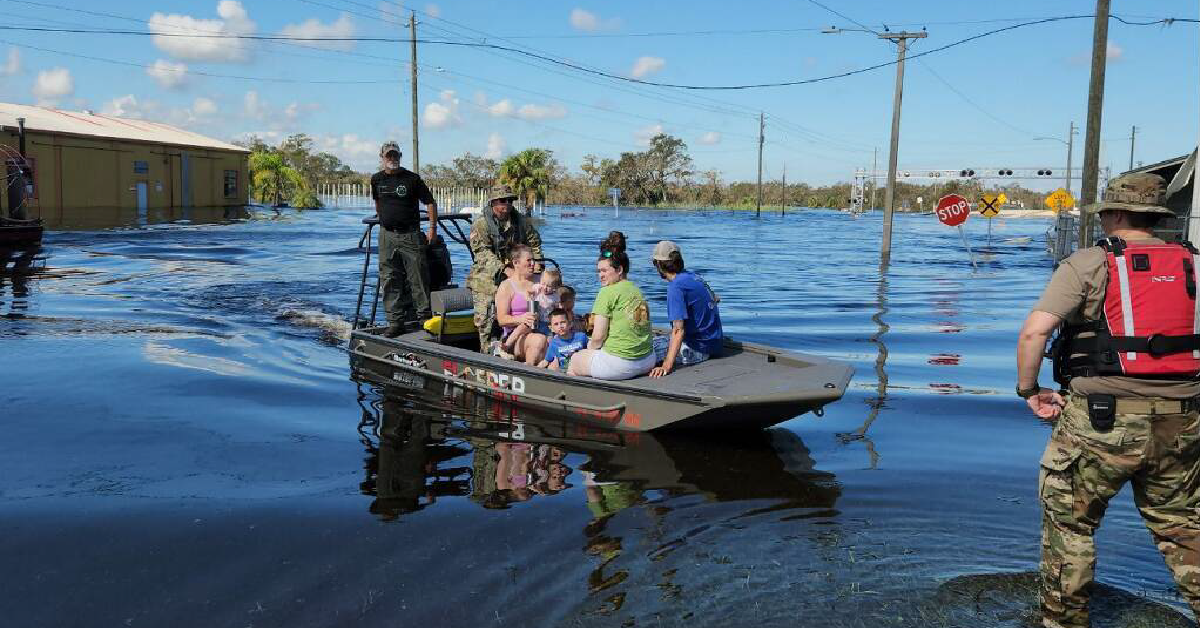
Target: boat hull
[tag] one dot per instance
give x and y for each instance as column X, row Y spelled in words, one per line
column 415, row 364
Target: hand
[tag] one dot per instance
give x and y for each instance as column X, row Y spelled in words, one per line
column 1046, row 404
column 659, row 371
column 530, row 320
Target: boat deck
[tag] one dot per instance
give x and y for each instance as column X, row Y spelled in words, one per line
column 741, row 373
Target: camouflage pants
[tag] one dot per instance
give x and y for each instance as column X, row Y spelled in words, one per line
column 1082, row 469
column 485, row 314
column 404, row 276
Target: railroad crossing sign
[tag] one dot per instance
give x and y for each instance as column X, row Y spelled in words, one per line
column 989, row 204
column 952, row 210
column 1059, row 200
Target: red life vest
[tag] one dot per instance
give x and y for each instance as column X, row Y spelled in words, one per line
column 1151, row 321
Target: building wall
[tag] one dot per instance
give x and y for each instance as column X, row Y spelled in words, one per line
column 74, row 172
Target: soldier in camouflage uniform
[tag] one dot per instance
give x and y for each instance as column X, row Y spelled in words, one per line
column 1154, row 441
column 492, row 234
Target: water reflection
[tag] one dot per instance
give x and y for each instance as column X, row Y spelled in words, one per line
column 16, row 265
column 96, row 218
column 877, row 402
column 498, row 459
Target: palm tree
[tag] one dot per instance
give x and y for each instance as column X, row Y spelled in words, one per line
column 528, row 172
column 272, row 177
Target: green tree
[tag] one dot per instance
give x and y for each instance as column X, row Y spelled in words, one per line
column 667, row 162
column 529, row 173
column 273, row 179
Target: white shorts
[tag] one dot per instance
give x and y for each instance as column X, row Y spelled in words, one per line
column 608, row 366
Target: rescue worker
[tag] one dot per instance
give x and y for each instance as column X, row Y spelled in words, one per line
column 403, row 267
column 492, row 234
column 1128, row 357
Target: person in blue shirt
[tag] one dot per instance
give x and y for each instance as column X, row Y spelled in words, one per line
column 692, row 309
column 565, row 343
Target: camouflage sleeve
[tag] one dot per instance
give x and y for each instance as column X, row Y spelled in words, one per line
column 533, row 240
column 486, row 261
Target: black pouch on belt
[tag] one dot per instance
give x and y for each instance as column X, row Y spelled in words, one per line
column 1102, row 410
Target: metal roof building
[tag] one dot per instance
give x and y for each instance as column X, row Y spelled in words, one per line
column 81, row 159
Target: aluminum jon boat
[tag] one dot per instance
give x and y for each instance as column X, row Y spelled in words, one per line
column 750, row 386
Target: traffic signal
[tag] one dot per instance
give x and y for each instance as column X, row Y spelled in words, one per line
column 966, row 173
column 1004, row 172
column 1045, row 173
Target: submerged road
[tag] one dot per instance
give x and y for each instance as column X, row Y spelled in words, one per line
column 183, row 445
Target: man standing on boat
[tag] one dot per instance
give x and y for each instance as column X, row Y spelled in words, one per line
column 403, row 269
column 1128, row 355
column 493, row 234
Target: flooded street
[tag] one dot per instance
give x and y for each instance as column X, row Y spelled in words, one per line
column 184, row 446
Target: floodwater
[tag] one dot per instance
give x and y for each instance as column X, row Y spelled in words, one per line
column 183, row 445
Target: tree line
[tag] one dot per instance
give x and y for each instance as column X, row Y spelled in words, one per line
column 663, row 175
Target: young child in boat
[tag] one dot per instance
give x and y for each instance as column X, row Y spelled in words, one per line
column 566, row 300
column 546, row 293
column 565, row 342
column 544, row 298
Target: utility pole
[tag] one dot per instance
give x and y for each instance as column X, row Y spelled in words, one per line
column 758, row 207
column 1095, row 102
column 1070, row 149
column 889, row 199
column 1132, row 139
column 783, row 193
column 416, row 158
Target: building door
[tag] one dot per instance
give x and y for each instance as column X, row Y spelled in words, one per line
column 143, row 200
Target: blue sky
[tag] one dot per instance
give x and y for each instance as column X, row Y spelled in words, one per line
column 976, row 105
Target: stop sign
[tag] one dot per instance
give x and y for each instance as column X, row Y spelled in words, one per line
column 953, row 210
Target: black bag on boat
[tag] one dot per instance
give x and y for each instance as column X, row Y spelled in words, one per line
column 440, row 268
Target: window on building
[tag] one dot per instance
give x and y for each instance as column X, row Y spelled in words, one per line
column 231, row 189
column 141, row 167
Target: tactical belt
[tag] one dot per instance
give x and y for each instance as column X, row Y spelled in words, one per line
column 1155, row 405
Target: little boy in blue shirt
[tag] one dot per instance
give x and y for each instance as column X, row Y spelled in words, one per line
column 565, row 342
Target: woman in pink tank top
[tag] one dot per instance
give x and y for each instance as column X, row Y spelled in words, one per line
column 514, row 310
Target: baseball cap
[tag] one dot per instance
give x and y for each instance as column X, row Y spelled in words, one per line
column 664, row 249
column 389, row 147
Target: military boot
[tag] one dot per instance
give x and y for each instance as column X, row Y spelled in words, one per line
column 394, row 329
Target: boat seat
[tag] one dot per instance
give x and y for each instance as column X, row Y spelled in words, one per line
column 445, row 302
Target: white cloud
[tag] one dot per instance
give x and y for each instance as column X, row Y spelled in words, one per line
column 710, row 138
column 12, row 62
column 587, row 21
column 1114, row 52
column 502, row 109
column 52, row 85
column 204, row 107
column 496, row 147
column 168, row 75
column 645, row 66
column 643, row 135
column 444, row 113
column 356, row 151
column 506, row 109
column 233, row 20
column 433, row 10
column 541, row 112
column 341, row 27
column 123, row 107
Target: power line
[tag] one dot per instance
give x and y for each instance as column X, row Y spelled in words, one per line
column 845, row 17
column 577, row 66
column 268, row 79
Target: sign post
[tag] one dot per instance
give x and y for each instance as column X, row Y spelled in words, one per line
column 952, row 210
column 989, row 207
column 615, row 193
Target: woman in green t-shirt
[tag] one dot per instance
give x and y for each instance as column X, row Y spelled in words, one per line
column 622, row 342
